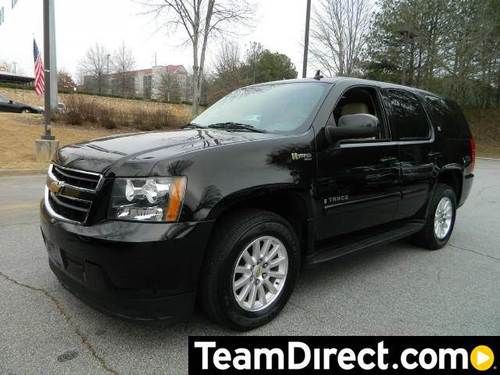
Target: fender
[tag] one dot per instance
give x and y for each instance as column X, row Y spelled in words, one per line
column 300, row 198
column 447, row 168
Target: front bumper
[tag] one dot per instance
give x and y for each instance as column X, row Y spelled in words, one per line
column 133, row 270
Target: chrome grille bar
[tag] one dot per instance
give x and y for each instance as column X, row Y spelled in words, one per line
column 70, row 193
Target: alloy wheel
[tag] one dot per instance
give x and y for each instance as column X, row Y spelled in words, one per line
column 443, row 218
column 260, row 273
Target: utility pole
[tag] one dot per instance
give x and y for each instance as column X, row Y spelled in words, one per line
column 306, row 39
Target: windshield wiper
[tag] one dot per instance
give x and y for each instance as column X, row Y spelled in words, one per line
column 192, row 125
column 235, row 126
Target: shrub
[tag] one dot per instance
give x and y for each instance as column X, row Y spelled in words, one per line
column 81, row 109
column 106, row 117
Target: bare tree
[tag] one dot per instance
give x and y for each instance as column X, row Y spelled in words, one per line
column 254, row 53
column 228, row 58
column 338, row 35
column 200, row 20
column 94, row 67
column 169, row 88
column 123, row 63
column 65, row 81
column 229, row 72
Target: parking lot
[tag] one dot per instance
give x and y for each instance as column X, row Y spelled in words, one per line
column 389, row 290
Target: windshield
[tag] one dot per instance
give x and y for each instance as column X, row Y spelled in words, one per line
column 281, row 107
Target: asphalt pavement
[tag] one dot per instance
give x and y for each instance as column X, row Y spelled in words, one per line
column 397, row 289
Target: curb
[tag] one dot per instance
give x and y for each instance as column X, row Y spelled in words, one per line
column 21, row 172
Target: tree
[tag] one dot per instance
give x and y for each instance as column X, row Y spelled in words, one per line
column 65, row 81
column 123, row 63
column 274, row 66
column 407, row 38
column 200, row 20
column 260, row 65
column 338, row 35
column 94, row 67
column 169, row 88
column 229, row 72
column 254, row 52
column 451, row 47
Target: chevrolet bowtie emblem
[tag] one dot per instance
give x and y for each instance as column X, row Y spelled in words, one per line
column 56, row 186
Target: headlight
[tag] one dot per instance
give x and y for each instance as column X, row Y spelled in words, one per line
column 148, row 199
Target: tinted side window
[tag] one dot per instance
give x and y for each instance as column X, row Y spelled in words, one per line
column 407, row 117
column 447, row 116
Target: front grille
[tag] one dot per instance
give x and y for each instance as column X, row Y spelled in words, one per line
column 76, row 178
column 71, row 211
column 70, row 193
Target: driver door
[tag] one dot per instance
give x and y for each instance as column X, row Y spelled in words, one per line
column 357, row 182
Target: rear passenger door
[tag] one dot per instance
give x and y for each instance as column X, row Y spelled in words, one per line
column 414, row 135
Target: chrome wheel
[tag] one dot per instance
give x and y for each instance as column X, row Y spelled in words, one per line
column 260, row 273
column 443, row 218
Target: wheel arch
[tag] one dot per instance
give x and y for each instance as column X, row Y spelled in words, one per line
column 452, row 176
column 293, row 204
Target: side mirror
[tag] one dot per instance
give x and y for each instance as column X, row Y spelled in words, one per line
column 11, row 102
column 356, row 126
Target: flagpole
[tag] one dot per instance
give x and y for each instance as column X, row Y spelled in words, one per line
column 47, row 66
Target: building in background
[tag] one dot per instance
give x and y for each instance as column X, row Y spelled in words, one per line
column 169, row 83
column 16, row 79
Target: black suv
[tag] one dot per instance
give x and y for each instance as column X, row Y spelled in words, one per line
column 270, row 178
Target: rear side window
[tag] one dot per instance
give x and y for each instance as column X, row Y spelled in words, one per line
column 407, row 116
column 447, row 116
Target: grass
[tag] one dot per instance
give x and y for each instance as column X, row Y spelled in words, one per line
column 88, row 117
column 19, row 132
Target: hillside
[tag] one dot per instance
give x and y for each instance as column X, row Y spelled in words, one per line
column 29, row 97
column 485, row 125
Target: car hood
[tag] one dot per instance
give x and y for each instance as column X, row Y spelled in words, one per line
column 136, row 154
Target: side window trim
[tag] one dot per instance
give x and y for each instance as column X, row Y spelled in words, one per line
column 415, row 140
column 384, row 120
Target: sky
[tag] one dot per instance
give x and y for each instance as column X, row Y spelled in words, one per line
column 277, row 24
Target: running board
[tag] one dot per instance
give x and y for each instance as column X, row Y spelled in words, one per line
column 363, row 242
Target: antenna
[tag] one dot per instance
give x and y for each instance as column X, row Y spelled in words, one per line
column 318, row 75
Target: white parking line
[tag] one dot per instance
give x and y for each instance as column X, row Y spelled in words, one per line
column 489, row 159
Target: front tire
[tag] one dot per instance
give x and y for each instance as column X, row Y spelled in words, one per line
column 251, row 269
column 440, row 219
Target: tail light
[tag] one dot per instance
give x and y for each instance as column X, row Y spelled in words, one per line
column 472, row 152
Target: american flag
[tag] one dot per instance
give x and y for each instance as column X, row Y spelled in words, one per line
column 39, row 73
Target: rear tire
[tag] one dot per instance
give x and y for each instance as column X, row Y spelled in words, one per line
column 236, row 245
column 440, row 219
